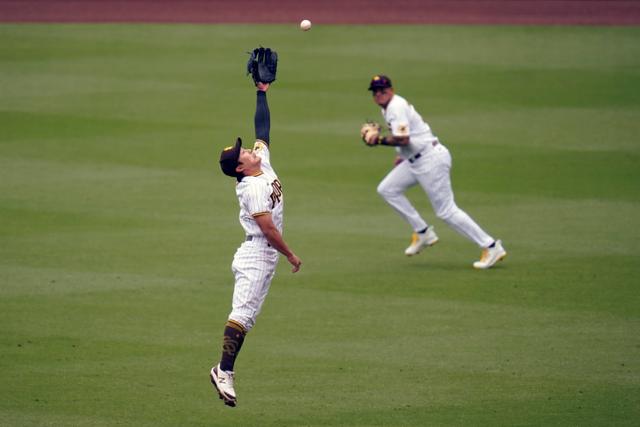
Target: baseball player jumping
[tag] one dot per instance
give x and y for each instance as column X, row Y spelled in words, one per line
column 261, row 199
column 423, row 160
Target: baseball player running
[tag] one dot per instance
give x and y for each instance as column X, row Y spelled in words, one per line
column 423, row 160
column 261, row 199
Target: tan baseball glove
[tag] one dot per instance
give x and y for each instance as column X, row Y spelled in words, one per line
column 370, row 133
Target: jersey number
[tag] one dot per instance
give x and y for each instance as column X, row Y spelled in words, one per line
column 276, row 195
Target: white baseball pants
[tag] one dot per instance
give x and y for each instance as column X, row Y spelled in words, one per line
column 254, row 266
column 433, row 172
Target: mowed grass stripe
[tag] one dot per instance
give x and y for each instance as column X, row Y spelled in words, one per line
column 117, row 229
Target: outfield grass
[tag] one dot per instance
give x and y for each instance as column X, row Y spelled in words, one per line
column 117, row 228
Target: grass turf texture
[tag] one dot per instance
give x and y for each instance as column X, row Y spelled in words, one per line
column 118, row 229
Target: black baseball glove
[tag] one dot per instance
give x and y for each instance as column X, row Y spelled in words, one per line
column 262, row 65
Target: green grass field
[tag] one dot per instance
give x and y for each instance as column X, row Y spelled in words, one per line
column 117, row 228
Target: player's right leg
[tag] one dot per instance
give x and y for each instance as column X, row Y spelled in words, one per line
column 223, row 382
column 421, row 239
column 253, row 267
column 253, row 272
column 392, row 189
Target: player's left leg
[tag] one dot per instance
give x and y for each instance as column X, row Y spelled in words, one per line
column 436, row 182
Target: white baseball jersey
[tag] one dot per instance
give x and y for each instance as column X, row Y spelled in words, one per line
column 255, row 261
column 403, row 120
column 260, row 194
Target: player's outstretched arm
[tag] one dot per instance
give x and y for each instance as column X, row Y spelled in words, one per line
column 262, row 118
column 275, row 239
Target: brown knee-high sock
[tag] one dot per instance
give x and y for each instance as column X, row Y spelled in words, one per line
column 234, row 334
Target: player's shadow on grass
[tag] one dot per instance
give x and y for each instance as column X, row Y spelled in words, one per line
column 449, row 266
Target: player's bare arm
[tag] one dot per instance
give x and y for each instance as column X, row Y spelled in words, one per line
column 390, row 140
column 371, row 136
column 275, row 239
column 393, row 140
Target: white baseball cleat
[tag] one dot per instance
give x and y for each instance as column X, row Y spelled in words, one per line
column 223, row 382
column 420, row 240
column 490, row 256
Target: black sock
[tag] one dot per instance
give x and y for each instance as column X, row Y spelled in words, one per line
column 233, row 338
column 492, row 245
column 423, row 231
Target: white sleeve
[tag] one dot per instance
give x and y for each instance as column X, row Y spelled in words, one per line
column 262, row 150
column 398, row 119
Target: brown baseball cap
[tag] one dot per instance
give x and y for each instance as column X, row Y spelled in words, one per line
column 229, row 159
column 380, row 81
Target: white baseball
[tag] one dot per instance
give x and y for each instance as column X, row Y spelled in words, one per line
column 305, row 25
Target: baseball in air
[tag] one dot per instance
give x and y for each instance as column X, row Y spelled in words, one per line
column 305, row 25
